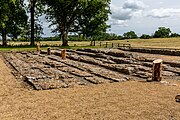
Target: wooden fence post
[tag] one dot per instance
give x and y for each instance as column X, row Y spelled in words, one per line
column 112, row 45
column 106, row 44
column 157, row 70
column 91, row 43
column 48, row 51
column 63, row 54
column 38, row 47
column 100, row 44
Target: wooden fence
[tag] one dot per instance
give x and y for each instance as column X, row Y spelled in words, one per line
column 109, row 44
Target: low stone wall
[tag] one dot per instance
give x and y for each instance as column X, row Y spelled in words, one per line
column 162, row 51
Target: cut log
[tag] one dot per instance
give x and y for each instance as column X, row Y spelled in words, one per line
column 48, row 51
column 157, row 70
column 63, row 54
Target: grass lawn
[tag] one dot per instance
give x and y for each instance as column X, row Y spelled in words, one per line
column 150, row 43
column 154, row 43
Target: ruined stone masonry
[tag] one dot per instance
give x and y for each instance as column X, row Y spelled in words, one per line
column 83, row 67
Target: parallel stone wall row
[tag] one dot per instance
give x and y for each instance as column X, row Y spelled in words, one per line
column 173, row 52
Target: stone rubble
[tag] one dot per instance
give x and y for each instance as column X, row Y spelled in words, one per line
column 83, row 67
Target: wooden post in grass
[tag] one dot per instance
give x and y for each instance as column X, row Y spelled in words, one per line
column 106, row 44
column 112, row 45
column 63, row 54
column 38, row 47
column 91, row 43
column 48, row 51
column 100, row 44
column 157, row 70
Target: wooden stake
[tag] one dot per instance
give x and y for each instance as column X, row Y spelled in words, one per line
column 38, row 47
column 157, row 70
column 106, row 44
column 91, row 43
column 48, row 51
column 63, row 54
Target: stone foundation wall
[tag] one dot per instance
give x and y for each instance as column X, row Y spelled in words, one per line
column 173, row 52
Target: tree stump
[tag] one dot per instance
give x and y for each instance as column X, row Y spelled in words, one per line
column 63, row 54
column 48, row 51
column 157, row 70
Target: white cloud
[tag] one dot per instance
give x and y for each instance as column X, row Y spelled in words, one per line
column 163, row 12
column 117, row 22
column 128, row 10
column 134, row 5
column 120, row 13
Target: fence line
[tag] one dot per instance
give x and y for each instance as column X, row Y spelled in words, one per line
column 110, row 44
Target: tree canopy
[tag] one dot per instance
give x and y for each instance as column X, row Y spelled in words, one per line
column 130, row 35
column 12, row 18
column 162, row 32
column 92, row 22
column 77, row 15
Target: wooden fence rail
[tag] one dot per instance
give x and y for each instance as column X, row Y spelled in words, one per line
column 109, row 44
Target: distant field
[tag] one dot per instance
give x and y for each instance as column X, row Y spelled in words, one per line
column 152, row 43
column 156, row 43
column 53, row 43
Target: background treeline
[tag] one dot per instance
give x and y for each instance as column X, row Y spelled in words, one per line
column 162, row 32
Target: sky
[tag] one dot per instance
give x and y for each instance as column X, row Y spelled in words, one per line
column 141, row 16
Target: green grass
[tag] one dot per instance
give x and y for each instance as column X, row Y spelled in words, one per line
column 30, row 48
column 150, row 43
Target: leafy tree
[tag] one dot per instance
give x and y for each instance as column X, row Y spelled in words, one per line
column 144, row 36
column 92, row 22
column 174, row 35
column 64, row 15
column 130, row 35
column 120, row 37
column 36, row 10
column 162, row 32
column 17, row 20
column 4, row 11
column 13, row 20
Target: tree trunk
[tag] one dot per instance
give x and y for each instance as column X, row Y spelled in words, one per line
column 64, row 39
column 4, row 41
column 32, row 21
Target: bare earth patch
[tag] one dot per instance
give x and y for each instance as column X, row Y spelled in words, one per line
column 110, row 101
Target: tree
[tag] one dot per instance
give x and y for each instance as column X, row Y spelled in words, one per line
column 144, row 36
column 4, row 11
column 162, row 32
column 17, row 20
column 130, row 35
column 33, row 2
column 92, row 22
column 13, row 18
column 174, row 35
column 65, row 15
column 36, row 11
